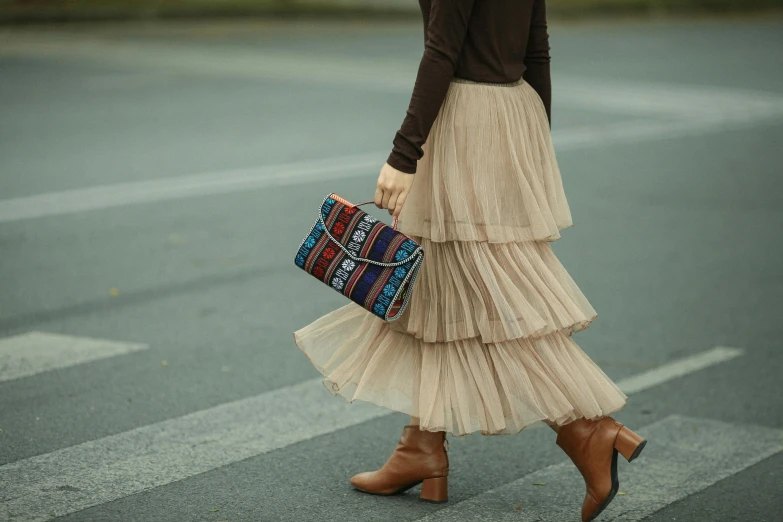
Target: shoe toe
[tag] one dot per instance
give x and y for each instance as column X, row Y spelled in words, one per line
column 360, row 480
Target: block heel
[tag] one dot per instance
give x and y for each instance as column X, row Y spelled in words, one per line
column 629, row 444
column 435, row 489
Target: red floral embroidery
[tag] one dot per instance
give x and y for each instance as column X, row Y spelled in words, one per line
column 318, row 272
column 329, row 253
column 338, row 229
column 349, row 210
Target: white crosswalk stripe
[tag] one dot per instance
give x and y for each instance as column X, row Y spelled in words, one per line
column 151, row 456
column 35, row 352
column 683, row 456
column 113, row 467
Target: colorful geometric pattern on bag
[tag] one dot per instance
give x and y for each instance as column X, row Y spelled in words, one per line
column 361, row 257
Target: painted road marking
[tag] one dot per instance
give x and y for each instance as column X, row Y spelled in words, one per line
column 36, row 352
column 678, row 101
column 678, row 368
column 683, row 456
column 122, row 194
column 113, row 467
column 106, row 469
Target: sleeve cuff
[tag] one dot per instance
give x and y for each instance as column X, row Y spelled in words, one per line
column 402, row 164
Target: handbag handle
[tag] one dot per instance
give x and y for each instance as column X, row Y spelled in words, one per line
column 394, row 224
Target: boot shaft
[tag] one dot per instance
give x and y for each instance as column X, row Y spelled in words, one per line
column 428, row 449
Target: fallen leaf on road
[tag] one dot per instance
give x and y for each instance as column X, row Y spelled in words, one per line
column 164, row 363
column 622, row 492
column 114, row 292
column 519, row 506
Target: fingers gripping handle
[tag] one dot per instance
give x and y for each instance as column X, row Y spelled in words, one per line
column 346, row 202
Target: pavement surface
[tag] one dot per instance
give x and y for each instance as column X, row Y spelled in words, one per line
column 157, row 179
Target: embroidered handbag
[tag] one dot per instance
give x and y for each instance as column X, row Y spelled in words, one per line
column 364, row 259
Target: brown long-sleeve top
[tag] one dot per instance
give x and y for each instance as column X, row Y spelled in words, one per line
column 497, row 41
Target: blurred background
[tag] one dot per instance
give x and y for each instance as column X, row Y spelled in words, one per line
column 161, row 162
column 23, row 10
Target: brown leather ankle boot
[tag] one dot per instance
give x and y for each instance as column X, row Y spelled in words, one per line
column 419, row 458
column 593, row 447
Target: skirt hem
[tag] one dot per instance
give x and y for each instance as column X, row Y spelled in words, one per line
column 458, row 387
column 560, row 421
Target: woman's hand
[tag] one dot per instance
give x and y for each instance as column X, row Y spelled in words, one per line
column 392, row 189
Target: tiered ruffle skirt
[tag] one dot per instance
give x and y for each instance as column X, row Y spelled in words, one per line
column 485, row 343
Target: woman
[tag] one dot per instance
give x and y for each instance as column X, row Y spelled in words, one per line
column 485, row 344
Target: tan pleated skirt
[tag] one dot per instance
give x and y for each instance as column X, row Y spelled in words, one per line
column 485, row 344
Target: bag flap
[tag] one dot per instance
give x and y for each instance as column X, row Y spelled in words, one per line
column 362, row 236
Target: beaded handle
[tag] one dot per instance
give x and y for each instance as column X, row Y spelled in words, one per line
column 394, row 223
column 346, row 202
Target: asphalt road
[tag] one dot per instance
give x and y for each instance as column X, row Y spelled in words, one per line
column 156, row 181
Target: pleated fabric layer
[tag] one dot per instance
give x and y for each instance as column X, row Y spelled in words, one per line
column 485, row 343
column 490, row 171
column 462, row 386
column 493, row 291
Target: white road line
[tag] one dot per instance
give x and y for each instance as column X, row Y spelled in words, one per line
column 643, row 130
column 150, row 456
column 679, row 368
column 113, row 467
column 36, row 352
column 679, row 101
column 683, row 456
column 110, row 196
